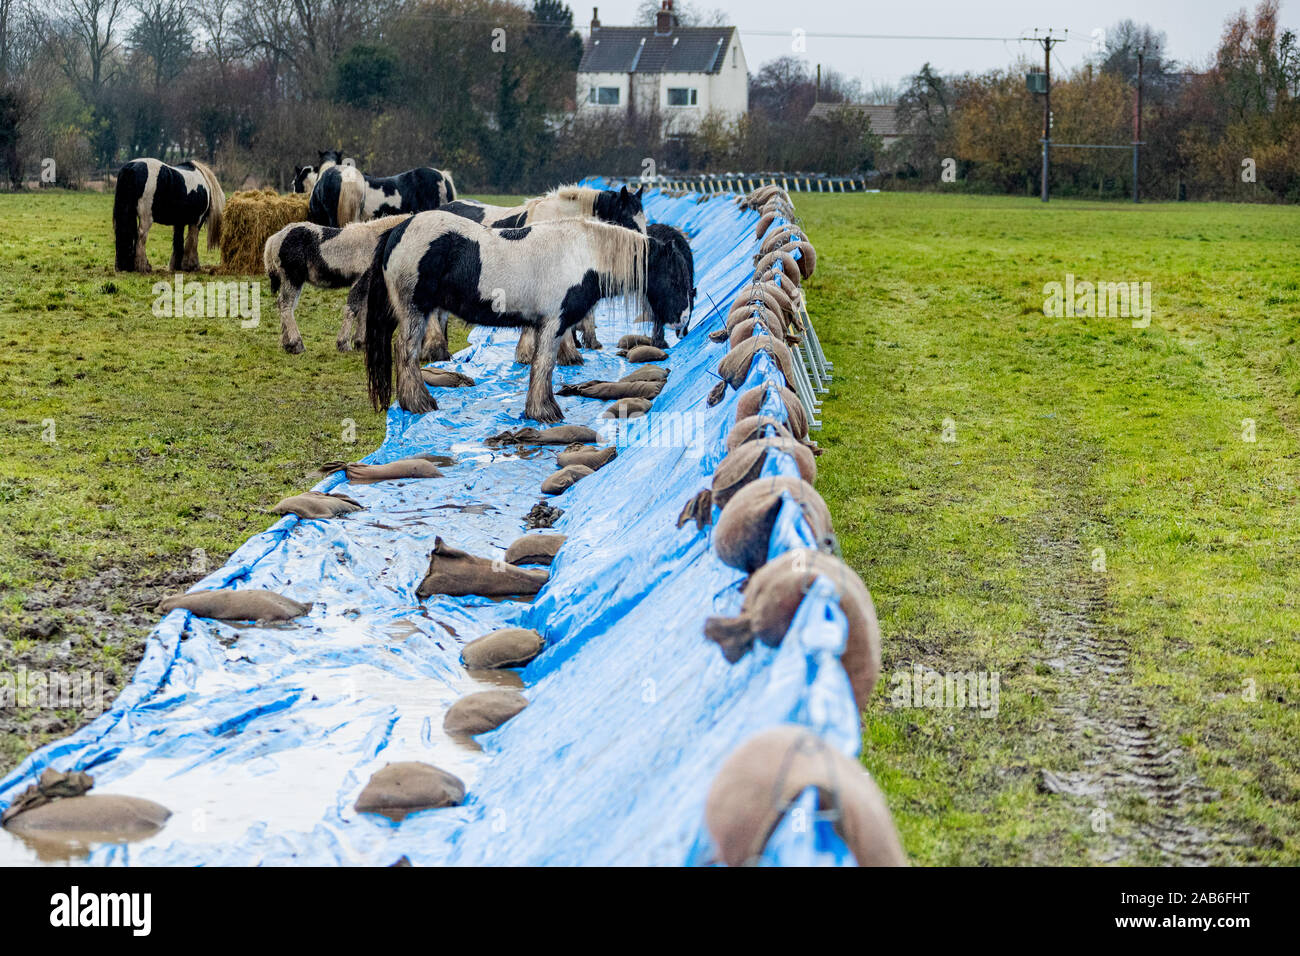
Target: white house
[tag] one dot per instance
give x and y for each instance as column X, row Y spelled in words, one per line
column 679, row 72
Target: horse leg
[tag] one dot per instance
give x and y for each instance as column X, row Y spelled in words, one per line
column 588, row 327
column 435, row 339
column 141, row 253
column 191, row 261
column 290, row 337
column 568, row 352
column 541, row 404
column 527, row 347
column 354, row 314
column 177, row 263
column 412, row 394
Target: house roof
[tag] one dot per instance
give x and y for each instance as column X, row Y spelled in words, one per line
column 641, row 50
column 883, row 118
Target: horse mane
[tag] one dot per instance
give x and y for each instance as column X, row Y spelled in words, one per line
column 216, row 202
column 584, row 196
column 621, row 256
column 449, row 187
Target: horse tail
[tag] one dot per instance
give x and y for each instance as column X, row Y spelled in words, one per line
column 351, row 194
column 381, row 322
column 449, row 186
column 216, row 203
column 126, row 199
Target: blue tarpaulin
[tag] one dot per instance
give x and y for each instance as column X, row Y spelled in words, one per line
column 259, row 738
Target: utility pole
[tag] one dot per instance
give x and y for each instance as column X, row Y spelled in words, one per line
column 1137, row 124
column 1047, row 42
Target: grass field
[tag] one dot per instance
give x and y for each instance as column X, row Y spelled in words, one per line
column 978, row 454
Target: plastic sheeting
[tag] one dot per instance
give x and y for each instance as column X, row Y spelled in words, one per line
column 259, row 738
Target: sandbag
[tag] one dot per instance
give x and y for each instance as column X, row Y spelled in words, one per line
column 755, row 427
column 761, row 779
column 734, row 367
column 534, row 549
column 773, row 595
column 445, row 378
column 741, row 466
column 632, row 340
column 49, row 786
column 788, row 264
column 479, row 713
column 611, row 390
column 557, row 435
column 785, row 280
column 567, row 476
column 508, row 647
column 647, row 373
column 106, row 815
column 783, row 235
column 745, row 329
column 764, row 223
column 248, row 604
column 627, row 408
column 646, row 353
column 744, row 528
column 404, row 788
column 417, row 466
column 457, row 573
column 756, row 310
column 317, row 504
column 587, row 455
column 751, row 402
column 807, row 256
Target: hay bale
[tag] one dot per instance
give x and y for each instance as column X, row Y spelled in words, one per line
column 252, row 217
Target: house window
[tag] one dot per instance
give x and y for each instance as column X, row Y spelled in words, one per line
column 603, row 95
column 682, row 96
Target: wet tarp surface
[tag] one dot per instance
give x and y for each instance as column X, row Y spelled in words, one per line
column 259, row 738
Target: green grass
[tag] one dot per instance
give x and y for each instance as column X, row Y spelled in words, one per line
column 1071, row 434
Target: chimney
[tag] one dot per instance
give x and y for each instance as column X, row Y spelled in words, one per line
column 665, row 19
column 595, row 19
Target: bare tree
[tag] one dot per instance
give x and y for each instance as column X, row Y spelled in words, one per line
column 84, row 32
column 162, row 34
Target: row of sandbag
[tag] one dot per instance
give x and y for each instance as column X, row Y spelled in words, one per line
column 60, row 803
column 763, row 777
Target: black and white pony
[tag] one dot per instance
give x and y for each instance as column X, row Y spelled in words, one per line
column 544, row 277
column 621, row 207
column 304, row 253
column 149, row 191
column 342, row 194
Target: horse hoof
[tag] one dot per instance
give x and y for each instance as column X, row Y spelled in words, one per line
column 344, row 346
column 294, row 348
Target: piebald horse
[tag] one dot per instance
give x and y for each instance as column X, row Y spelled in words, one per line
column 622, row 208
column 149, row 191
column 342, row 194
column 544, row 277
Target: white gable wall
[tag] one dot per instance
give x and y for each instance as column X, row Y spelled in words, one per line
column 726, row 91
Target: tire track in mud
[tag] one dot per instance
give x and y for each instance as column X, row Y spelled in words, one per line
column 1135, row 788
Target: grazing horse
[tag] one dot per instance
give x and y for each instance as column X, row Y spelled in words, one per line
column 149, row 191
column 677, row 239
column 543, row 277
column 328, row 258
column 342, row 193
column 622, row 208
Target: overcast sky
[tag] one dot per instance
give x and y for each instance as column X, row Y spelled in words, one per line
column 1192, row 28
